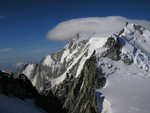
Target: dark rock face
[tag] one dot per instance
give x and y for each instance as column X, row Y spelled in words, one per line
column 78, row 94
column 20, row 87
column 113, row 51
column 114, row 46
column 81, row 96
column 50, row 103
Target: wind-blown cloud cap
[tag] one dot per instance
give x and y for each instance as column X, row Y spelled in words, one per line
column 102, row 26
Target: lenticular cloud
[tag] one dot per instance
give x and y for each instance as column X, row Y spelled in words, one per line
column 101, row 26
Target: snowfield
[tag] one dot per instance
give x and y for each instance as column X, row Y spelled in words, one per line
column 128, row 90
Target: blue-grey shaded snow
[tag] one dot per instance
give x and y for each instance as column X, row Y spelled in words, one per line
column 14, row 105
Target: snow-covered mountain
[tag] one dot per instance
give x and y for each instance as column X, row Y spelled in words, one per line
column 117, row 66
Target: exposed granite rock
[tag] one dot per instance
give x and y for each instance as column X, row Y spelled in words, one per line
column 113, row 51
column 78, row 94
column 81, row 96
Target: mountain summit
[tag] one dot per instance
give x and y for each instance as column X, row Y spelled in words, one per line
column 89, row 68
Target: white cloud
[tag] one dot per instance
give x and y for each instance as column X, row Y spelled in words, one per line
column 5, row 50
column 102, row 26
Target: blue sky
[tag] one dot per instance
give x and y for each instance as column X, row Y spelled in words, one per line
column 25, row 23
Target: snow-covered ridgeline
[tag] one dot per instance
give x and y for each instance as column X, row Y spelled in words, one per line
column 28, row 70
column 78, row 51
column 95, row 43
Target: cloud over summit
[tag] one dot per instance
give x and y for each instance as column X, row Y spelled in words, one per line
column 102, row 26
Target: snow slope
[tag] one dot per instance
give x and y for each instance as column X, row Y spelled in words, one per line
column 128, row 90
